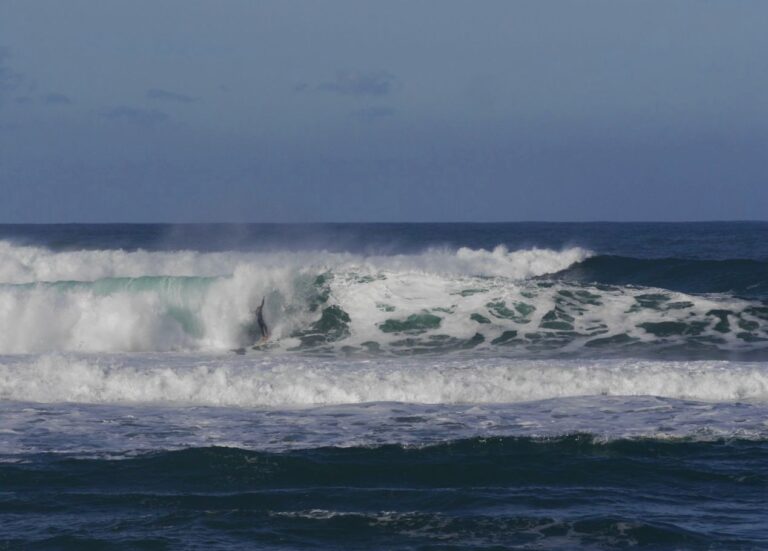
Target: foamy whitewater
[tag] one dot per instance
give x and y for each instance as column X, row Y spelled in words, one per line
column 143, row 301
column 414, row 358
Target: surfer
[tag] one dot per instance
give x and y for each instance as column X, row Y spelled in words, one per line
column 263, row 329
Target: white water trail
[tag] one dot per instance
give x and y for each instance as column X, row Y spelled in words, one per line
column 289, row 381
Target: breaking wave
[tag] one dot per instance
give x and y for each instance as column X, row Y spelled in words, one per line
column 524, row 303
column 29, row 264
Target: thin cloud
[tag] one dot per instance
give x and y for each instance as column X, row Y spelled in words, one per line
column 374, row 113
column 9, row 79
column 57, row 99
column 141, row 117
column 165, row 95
column 353, row 83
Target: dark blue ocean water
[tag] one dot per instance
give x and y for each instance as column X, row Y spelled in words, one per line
column 426, row 386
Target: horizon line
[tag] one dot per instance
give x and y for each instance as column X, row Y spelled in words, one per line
column 318, row 223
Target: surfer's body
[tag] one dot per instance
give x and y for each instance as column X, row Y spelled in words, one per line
column 263, row 329
column 257, row 332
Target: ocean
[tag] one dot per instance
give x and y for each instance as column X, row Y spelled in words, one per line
column 425, row 386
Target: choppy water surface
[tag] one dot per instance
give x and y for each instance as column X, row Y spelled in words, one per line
column 531, row 386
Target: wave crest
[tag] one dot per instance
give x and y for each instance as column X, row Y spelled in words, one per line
column 29, row 264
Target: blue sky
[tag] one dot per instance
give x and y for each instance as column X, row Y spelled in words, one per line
column 182, row 110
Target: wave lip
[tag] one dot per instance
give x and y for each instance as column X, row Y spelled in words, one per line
column 299, row 381
column 499, row 262
column 30, row 264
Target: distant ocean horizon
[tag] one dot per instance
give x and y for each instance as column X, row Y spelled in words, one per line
column 526, row 385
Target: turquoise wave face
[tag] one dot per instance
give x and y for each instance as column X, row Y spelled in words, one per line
column 168, row 285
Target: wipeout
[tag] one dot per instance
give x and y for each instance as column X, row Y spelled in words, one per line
column 441, row 300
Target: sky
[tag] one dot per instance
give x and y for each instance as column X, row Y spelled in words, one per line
column 353, row 111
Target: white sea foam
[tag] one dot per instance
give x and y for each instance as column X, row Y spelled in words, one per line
column 169, row 316
column 178, row 314
column 288, row 381
column 123, row 430
column 205, row 301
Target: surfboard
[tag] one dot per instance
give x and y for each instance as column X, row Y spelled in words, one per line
column 264, row 344
column 261, row 344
